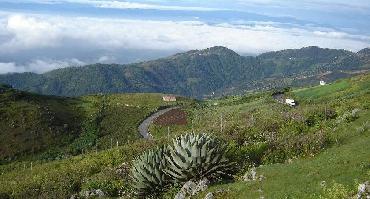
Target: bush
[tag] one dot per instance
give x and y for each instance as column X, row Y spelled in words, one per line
column 349, row 116
column 321, row 114
column 245, row 155
column 148, row 173
column 191, row 157
column 292, row 146
column 197, row 156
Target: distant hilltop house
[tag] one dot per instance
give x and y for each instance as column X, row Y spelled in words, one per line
column 290, row 102
column 169, row 98
column 322, row 83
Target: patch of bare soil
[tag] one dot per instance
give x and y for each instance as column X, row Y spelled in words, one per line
column 172, row 117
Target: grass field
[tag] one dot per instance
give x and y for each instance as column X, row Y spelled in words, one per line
column 320, row 91
column 347, row 164
column 325, row 136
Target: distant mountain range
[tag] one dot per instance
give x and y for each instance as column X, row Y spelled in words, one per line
column 199, row 73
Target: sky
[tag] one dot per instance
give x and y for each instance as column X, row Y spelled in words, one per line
column 42, row 35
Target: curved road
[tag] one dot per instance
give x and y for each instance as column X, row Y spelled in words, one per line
column 144, row 126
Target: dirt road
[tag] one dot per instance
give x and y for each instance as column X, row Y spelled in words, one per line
column 144, row 126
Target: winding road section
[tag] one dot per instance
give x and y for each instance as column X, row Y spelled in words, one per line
column 144, row 126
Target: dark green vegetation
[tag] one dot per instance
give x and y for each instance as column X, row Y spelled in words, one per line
column 48, row 127
column 323, row 139
column 30, row 123
column 198, row 73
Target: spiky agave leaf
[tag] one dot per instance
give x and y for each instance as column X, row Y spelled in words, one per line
column 148, row 172
column 194, row 156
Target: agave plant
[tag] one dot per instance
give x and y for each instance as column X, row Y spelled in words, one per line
column 148, row 172
column 194, row 156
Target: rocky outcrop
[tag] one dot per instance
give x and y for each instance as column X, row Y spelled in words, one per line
column 191, row 188
column 95, row 193
column 251, row 175
column 363, row 190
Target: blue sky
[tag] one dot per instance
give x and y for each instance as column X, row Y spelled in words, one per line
column 39, row 36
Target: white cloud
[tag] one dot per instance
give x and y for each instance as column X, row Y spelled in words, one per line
column 360, row 5
column 132, row 5
column 107, row 59
column 41, row 31
column 35, row 32
column 38, row 66
column 340, row 35
column 10, row 67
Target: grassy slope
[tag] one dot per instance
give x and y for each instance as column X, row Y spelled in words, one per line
column 52, row 127
column 320, row 91
column 120, row 116
column 243, row 116
column 30, row 123
column 258, row 112
column 347, row 164
column 62, row 178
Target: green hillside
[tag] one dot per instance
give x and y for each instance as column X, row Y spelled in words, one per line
column 292, row 143
column 199, row 73
column 30, row 123
column 50, row 127
column 295, row 149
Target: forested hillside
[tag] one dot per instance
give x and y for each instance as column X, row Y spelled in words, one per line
column 199, row 73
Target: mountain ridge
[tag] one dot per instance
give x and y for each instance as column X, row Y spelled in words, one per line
column 196, row 73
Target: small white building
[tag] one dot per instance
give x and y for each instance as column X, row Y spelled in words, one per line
column 290, row 102
column 169, row 98
column 322, row 83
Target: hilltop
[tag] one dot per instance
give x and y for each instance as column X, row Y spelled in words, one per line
column 199, row 73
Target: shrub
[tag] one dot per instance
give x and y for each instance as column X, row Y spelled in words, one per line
column 192, row 156
column 148, row 172
column 292, row 146
column 195, row 156
column 349, row 116
column 319, row 115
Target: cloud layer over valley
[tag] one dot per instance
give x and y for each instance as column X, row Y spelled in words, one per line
column 39, row 41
